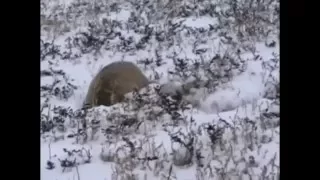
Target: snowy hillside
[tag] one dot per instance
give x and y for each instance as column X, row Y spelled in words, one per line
column 230, row 45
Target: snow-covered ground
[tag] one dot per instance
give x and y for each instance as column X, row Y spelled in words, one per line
column 233, row 134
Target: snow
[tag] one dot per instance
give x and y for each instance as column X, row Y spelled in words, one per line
column 241, row 98
column 244, row 89
column 201, row 22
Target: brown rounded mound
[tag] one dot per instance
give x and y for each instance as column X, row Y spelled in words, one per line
column 113, row 82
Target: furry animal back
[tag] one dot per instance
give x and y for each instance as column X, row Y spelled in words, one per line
column 113, row 82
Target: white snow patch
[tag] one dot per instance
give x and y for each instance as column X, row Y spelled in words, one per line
column 201, row 22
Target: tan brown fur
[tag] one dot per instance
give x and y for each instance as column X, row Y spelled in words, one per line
column 113, row 82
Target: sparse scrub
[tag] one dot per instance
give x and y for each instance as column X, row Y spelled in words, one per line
column 194, row 49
